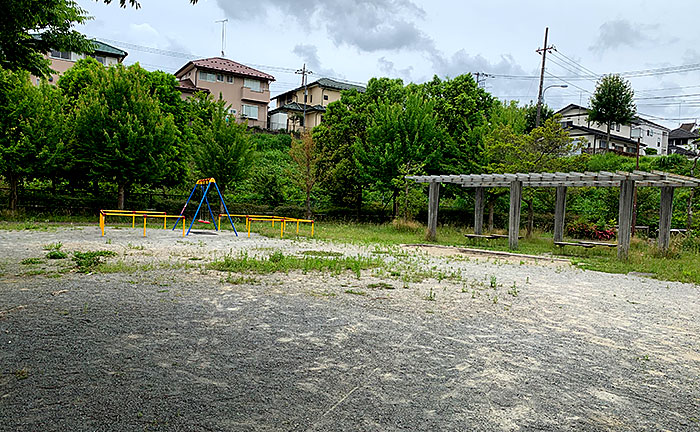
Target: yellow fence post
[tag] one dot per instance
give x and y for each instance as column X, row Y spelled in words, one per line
column 183, row 226
column 133, row 220
column 144, row 226
column 312, row 228
column 219, row 226
column 297, row 226
column 281, row 228
column 165, row 222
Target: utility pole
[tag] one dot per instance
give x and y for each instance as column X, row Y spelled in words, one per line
column 543, row 53
column 223, row 35
column 304, row 73
column 479, row 80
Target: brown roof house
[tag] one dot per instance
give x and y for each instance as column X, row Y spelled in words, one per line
column 290, row 106
column 61, row 61
column 245, row 90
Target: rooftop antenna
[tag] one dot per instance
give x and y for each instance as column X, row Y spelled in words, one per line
column 223, row 35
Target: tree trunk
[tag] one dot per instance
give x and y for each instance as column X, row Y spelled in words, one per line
column 607, row 142
column 395, row 204
column 530, row 216
column 491, row 206
column 405, row 203
column 358, row 203
column 308, row 203
column 14, row 182
column 120, row 196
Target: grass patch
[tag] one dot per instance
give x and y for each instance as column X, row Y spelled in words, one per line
column 380, row 285
column 31, row 261
column 240, row 280
column 352, row 291
column 56, row 254
column 88, row 261
column 53, row 246
column 319, row 253
column 278, row 262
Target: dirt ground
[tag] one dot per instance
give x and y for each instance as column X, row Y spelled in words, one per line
column 476, row 343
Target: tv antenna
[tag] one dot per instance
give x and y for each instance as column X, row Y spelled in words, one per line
column 223, row 35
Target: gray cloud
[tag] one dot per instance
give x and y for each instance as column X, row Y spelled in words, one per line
column 388, row 68
column 309, row 54
column 368, row 25
column 621, row 33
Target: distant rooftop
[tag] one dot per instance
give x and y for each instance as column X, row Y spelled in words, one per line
column 100, row 47
column 225, row 65
column 330, row 84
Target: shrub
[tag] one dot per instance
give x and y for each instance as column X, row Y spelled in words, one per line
column 585, row 230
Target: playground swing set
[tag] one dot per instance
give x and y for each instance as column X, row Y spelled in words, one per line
column 204, row 185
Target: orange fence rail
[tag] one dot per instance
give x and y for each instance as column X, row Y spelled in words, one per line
column 144, row 214
column 272, row 219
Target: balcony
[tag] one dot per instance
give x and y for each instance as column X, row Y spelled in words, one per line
column 255, row 96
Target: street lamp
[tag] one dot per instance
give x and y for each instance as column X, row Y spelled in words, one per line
column 539, row 102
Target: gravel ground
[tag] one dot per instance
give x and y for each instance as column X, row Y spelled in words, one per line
column 473, row 344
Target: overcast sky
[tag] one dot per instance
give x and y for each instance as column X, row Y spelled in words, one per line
column 355, row 40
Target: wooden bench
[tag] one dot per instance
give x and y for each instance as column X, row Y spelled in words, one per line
column 585, row 244
column 487, row 236
column 563, row 243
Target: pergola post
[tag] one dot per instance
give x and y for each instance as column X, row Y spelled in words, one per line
column 478, row 210
column 516, row 192
column 433, row 199
column 665, row 217
column 559, row 214
column 624, row 223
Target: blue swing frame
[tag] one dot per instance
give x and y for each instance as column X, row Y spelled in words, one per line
column 205, row 191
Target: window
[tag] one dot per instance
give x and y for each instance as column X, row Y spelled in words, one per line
column 311, row 98
column 250, row 111
column 325, row 97
column 64, row 55
column 305, row 98
column 220, row 77
column 205, row 76
column 617, row 127
column 252, row 84
column 229, row 79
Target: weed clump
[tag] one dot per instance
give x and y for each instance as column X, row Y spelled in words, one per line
column 56, row 254
column 87, row 261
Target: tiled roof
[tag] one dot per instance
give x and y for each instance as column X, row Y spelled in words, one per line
column 328, row 83
column 225, row 65
column 681, row 133
column 672, row 149
column 188, row 86
column 294, row 106
column 99, row 47
column 688, row 127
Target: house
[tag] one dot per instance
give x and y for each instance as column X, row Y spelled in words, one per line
column 684, row 139
column 653, row 140
column 61, row 61
column 291, row 106
column 245, row 90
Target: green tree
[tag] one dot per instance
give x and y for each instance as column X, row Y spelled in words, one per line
column 399, row 135
column 612, row 102
column 223, row 148
column 531, row 116
column 18, row 112
column 463, row 110
column 306, row 175
column 54, row 21
column 541, row 150
column 51, row 133
column 122, row 135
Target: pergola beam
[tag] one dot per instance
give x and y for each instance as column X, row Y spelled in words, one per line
column 624, row 221
column 516, row 192
column 665, row 217
column 433, row 200
column 560, row 214
column 479, row 210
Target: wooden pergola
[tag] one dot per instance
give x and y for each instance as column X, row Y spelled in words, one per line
column 626, row 181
